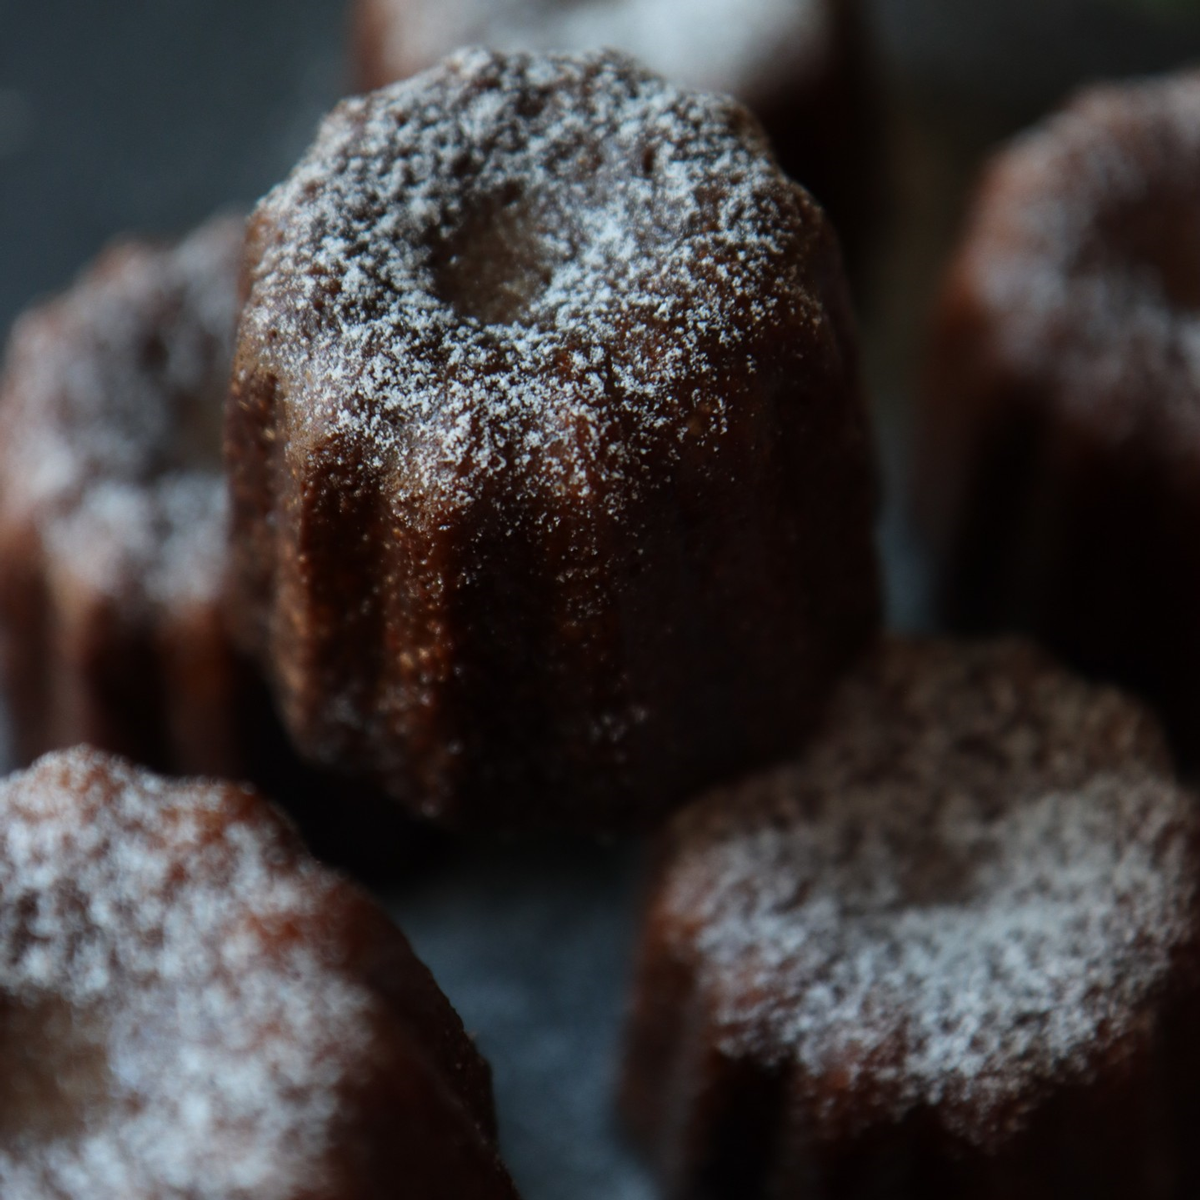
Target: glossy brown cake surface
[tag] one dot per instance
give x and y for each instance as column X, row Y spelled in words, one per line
column 801, row 66
column 552, row 492
column 113, row 510
column 1060, row 448
column 191, row 1006
column 951, row 952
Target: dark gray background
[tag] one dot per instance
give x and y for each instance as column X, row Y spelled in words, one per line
column 149, row 114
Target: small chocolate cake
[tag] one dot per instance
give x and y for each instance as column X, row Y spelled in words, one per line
column 952, row 952
column 191, row 1006
column 113, row 511
column 552, row 485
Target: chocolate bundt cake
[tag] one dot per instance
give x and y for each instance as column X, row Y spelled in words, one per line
column 113, row 510
column 190, row 1006
column 552, row 486
column 1059, row 473
column 953, row 951
column 801, row 66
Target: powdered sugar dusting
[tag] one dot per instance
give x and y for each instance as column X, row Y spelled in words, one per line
column 206, row 1038
column 967, row 890
column 1086, row 241
column 717, row 45
column 535, row 266
column 110, row 416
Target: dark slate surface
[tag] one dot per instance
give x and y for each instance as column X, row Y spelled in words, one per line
column 532, row 944
column 149, row 114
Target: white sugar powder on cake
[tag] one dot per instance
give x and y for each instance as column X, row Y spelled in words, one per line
column 110, row 416
column 971, row 885
column 1086, row 227
column 531, row 266
column 194, row 1051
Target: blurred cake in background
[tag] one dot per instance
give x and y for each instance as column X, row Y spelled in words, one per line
column 113, row 513
column 803, row 67
column 1058, row 472
column 951, row 951
column 190, row 1005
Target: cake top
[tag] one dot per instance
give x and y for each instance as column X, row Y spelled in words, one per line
column 110, row 413
column 717, row 45
column 551, row 267
column 964, row 892
column 1086, row 236
column 189, row 1004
